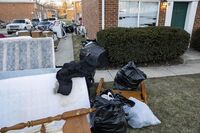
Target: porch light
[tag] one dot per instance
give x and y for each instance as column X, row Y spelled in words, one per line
column 164, row 3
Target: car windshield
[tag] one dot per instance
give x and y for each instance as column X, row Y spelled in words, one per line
column 52, row 18
column 44, row 23
column 19, row 21
column 45, row 20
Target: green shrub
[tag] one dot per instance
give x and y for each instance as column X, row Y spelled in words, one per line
column 150, row 44
column 195, row 42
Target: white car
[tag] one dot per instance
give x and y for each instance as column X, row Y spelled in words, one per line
column 18, row 24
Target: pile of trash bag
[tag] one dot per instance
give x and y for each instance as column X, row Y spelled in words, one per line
column 109, row 116
column 96, row 54
column 114, row 112
column 129, row 77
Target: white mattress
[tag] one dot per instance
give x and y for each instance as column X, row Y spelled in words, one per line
column 34, row 97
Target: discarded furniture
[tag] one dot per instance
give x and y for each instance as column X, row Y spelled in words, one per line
column 40, row 34
column 26, row 97
column 19, row 53
column 36, row 34
column 24, row 33
column 75, row 122
column 47, row 34
column 141, row 94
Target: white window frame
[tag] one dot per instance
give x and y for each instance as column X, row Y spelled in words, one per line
column 138, row 16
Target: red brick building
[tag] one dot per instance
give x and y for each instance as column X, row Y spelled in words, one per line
column 101, row 14
column 20, row 9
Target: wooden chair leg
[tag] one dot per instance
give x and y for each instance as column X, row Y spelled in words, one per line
column 43, row 129
column 76, row 122
column 76, row 125
column 144, row 92
column 100, row 86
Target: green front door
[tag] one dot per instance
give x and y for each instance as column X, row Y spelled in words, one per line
column 179, row 14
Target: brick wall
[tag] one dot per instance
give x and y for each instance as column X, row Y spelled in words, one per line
column 162, row 14
column 90, row 9
column 111, row 13
column 92, row 15
column 10, row 11
column 197, row 19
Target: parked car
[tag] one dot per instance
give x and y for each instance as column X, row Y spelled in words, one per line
column 50, row 19
column 35, row 22
column 2, row 24
column 18, row 24
column 44, row 25
column 46, row 19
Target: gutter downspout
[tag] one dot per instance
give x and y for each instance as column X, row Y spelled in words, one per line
column 103, row 14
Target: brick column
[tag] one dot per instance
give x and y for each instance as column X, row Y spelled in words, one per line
column 197, row 19
column 91, row 17
column 111, row 13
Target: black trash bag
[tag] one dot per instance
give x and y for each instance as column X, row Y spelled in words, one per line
column 96, row 55
column 117, row 96
column 71, row 70
column 129, row 77
column 124, row 100
column 109, row 116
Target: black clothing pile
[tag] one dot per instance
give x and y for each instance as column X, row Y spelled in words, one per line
column 109, row 116
column 129, row 77
column 71, row 70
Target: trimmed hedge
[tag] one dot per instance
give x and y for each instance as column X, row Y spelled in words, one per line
column 142, row 45
column 195, row 42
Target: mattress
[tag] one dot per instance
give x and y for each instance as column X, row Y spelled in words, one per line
column 26, row 98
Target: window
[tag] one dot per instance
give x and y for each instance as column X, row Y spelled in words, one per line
column 19, row 21
column 137, row 13
column 148, row 14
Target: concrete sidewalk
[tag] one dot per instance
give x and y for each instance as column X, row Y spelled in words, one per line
column 152, row 72
column 191, row 65
column 64, row 52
